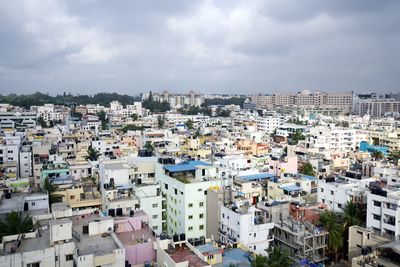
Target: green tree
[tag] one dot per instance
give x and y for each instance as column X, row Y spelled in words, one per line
column 329, row 221
column 41, row 122
column 16, row 223
column 189, row 124
column 376, row 154
column 296, row 137
column 307, row 169
column 259, row 261
column 103, row 118
column 160, row 121
column 394, row 155
column 92, row 154
column 278, row 258
column 134, row 117
column 149, row 146
column 351, row 214
column 50, row 189
column 131, row 127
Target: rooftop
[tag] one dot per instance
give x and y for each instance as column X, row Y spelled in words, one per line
column 257, row 176
column 186, row 166
column 182, row 253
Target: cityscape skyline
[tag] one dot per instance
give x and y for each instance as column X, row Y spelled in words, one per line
column 229, row 47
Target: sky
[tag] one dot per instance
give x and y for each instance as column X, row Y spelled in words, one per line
column 224, row 46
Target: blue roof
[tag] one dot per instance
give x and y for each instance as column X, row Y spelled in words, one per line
column 257, row 176
column 186, row 166
column 291, row 188
column 308, row 177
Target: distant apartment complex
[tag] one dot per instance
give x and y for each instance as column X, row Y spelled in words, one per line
column 177, row 100
column 305, row 98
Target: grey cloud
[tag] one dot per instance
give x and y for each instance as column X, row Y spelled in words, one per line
column 210, row 46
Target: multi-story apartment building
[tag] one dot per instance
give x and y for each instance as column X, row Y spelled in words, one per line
column 244, row 225
column 383, row 212
column 184, row 189
column 337, row 192
column 177, row 100
column 269, row 124
column 51, row 112
column 379, row 107
column 305, row 98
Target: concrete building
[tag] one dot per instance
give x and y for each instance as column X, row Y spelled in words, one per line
column 383, row 213
column 184, row 189
column 379, row 107
column 302, row 239
column 244, row 225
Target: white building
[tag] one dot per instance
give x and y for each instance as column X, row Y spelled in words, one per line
column 246, row 226
column 268, row 124
column 383, row 212
column 337, row 192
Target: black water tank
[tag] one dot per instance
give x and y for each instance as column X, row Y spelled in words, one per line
column 139, row 181
column 175, row 238
column 182, row 237
column 111, row 212
column 119, row 211
column 131, row 213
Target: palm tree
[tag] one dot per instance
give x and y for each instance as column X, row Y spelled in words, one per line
column 259, row 261
column 329, row 221
column 351, row 215
column 307, row 169
column 376, row 154
column 15, row 223
column 278, row 258
column 92, row 154
column 297, row 136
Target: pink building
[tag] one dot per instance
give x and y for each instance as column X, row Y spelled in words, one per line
column 279, row 167
column 137, row 238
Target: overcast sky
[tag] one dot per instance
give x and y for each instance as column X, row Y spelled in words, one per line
column 88, row 46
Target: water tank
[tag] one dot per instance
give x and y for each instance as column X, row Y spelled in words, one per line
column 175, row 238
column 111, row 212
column 119, row 211
column 139, row 181
column 131, row 213
column 182, row 237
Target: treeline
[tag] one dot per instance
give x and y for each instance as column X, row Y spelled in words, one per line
column 38, row 99
column 229, row 101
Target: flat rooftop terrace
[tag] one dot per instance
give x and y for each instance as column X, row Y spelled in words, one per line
column 182, row 253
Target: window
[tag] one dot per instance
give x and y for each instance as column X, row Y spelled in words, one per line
column 72, row 197
column 376, row 217
column 155, row 216
column 155, row 205
column 210, row 256
column 339, row 205
column 190, row 205
column 323, row 200
column 190, row 228
column 34, row 264
column 33, row 204
column 176, row 191
column 322, row 189
column 255, row 234
column 201, row 227
column 201, row 216
column 205, row 192
column 377, row 203
column 155, row 227
column 199, row 190
column 223, row 215
column 332, row 192
column 166, row 186
column 190, row 217
column 255, row 247
column 201, row 204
